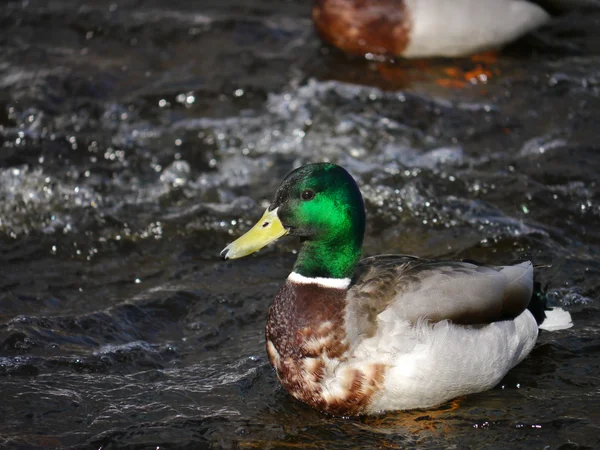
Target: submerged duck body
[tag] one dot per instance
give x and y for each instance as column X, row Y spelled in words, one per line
column 425, row 28
column 390, row 332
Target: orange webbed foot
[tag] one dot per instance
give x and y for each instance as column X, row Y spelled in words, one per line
column 416, row 422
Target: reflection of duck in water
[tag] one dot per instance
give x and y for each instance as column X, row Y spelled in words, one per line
column 390, row 332
column 428, row 28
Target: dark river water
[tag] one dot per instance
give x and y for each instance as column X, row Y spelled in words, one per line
column 139, row 137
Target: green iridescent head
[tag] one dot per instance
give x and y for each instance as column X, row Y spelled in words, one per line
column 322, row 204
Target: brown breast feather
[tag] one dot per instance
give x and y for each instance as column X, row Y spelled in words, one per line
column 364, row 26
column 305, row 331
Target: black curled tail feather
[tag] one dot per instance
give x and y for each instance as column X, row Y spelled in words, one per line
column 539, row 300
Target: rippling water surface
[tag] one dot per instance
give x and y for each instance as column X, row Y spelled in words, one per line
column 139, row 137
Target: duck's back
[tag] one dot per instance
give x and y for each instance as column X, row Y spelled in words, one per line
column 463, row 292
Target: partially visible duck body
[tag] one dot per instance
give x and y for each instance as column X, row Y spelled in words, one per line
column 429, row 28
column 390, row 332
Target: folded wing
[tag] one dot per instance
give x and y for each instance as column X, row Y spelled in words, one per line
column 417, row 289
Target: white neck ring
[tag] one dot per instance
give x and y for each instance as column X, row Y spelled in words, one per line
column 335, row 283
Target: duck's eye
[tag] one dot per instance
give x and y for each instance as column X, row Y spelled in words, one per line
column 307, row 195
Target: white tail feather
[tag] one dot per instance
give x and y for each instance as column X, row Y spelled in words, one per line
column 556, row 319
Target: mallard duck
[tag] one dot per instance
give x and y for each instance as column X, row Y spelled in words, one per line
column 427, row 28
column 390, row 332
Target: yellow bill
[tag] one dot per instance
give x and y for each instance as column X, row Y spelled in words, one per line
column 266, row 230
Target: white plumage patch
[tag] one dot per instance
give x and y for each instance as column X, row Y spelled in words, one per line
column 273, row 353
column 462, row 27
column 311, row 365
column 556, row 319
column 428, row 364
column 317, row 344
